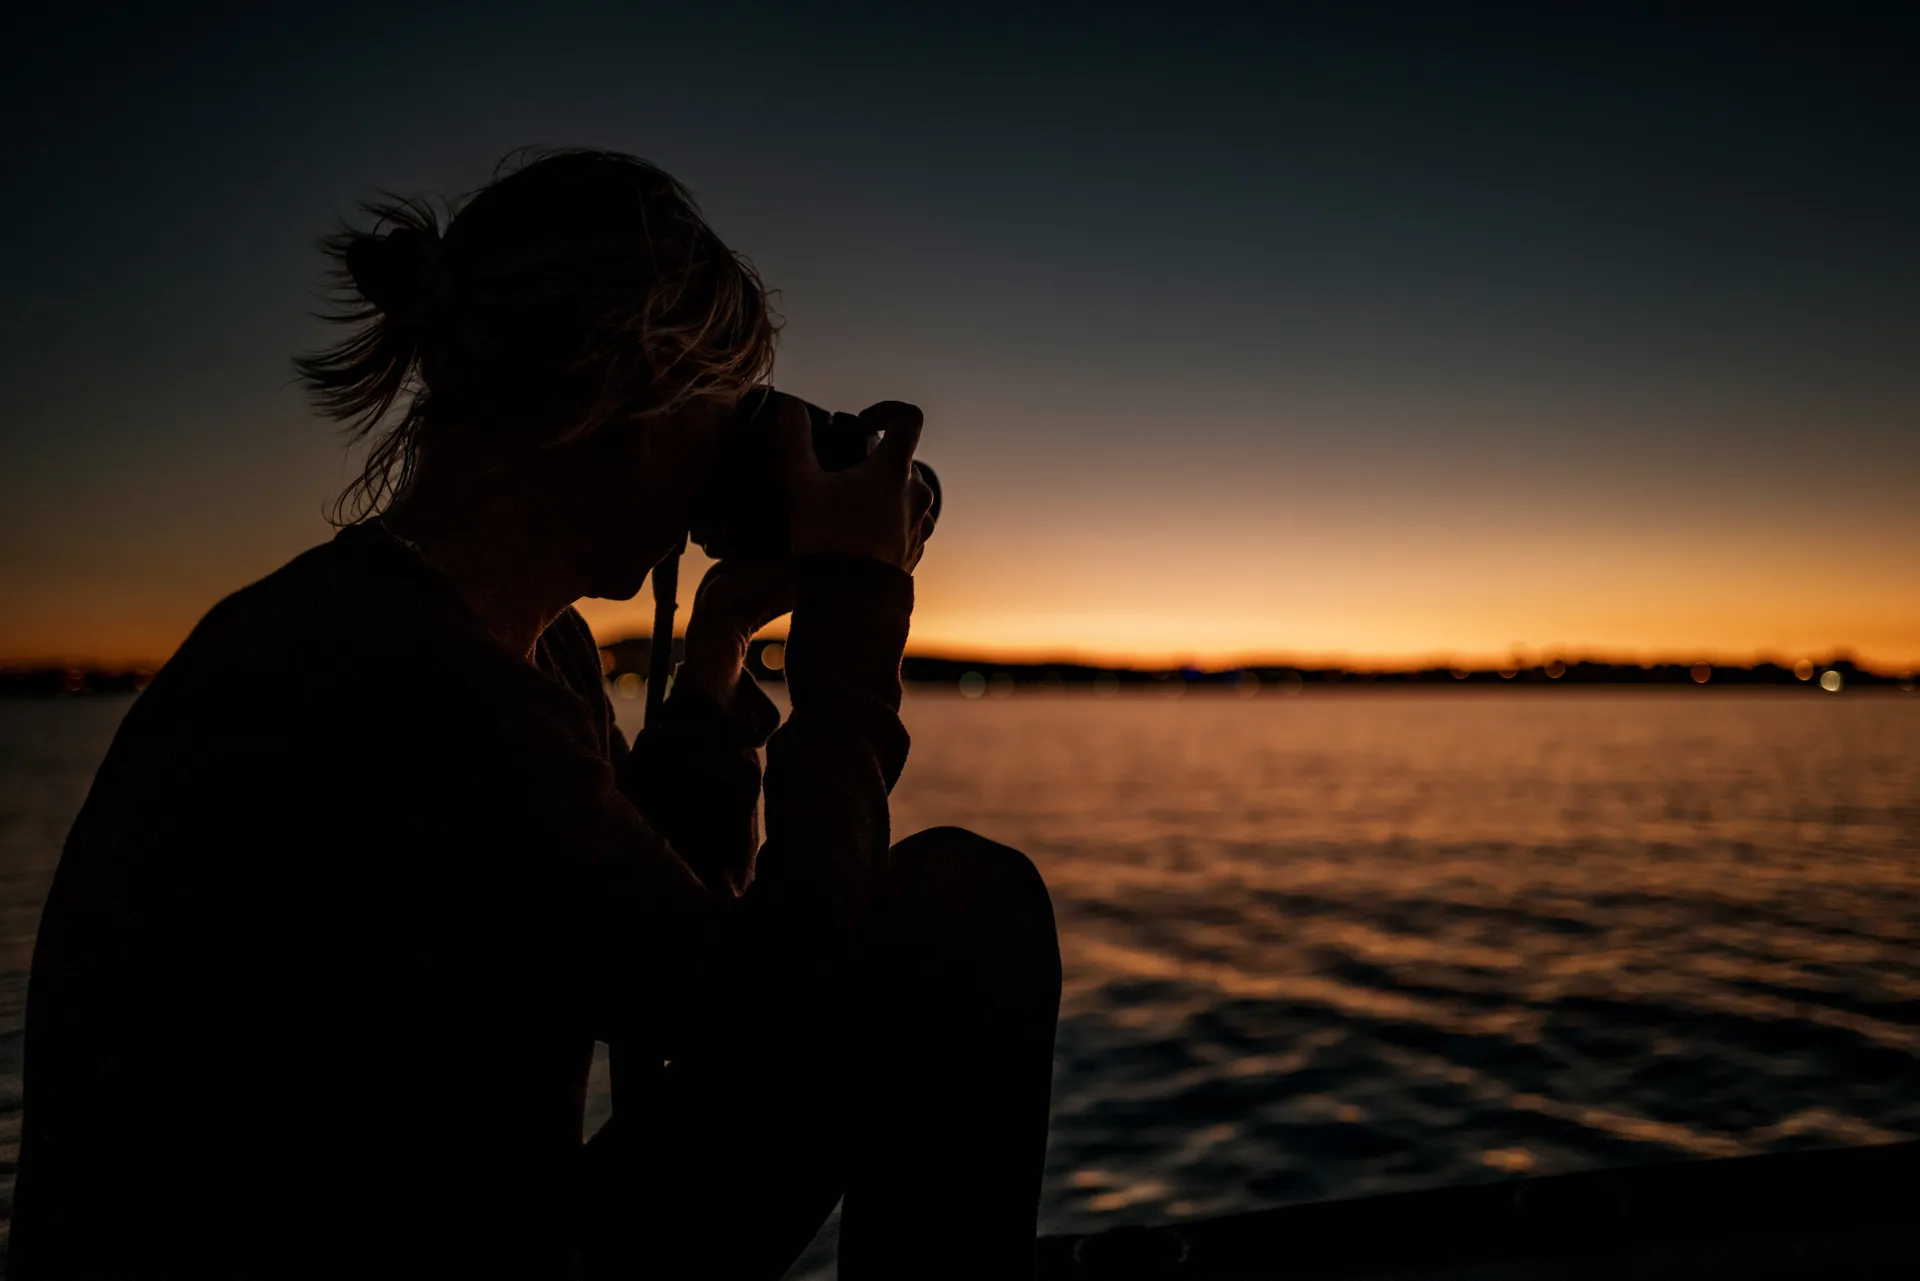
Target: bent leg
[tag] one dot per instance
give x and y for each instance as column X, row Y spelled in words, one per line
column 722, row 1170
column 923, row 1099
column 948, row 1182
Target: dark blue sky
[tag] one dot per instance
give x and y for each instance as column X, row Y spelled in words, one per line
column 1295, row 329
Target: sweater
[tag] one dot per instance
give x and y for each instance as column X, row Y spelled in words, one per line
column 356, row 889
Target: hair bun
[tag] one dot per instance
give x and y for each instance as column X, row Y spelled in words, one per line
column 401, row 273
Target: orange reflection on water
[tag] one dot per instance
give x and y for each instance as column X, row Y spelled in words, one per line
column 1350, row 942
column 1451, row 934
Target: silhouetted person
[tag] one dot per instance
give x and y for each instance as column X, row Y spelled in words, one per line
column 369, row 868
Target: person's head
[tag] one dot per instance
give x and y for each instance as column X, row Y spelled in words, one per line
column 568, row 345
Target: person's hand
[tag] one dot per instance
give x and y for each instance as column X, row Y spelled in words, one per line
column 879, row 508
column 736, row 599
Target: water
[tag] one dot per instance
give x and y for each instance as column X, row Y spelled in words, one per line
column 1354, row 942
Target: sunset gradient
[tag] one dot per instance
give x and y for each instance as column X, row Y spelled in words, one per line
column 1240, row 337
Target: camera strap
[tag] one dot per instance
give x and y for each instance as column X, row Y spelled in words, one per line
column 666, row 581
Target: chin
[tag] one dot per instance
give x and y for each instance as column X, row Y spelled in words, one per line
column 618, row 573
column 620, row 590
column 616, row 581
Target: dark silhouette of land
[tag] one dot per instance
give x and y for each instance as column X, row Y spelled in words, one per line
column 628, row 658
column 1280, row 678
column 764, row 660
column 64, row 682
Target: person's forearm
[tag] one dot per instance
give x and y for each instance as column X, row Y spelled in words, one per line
column 695, row 777
column 831, row 767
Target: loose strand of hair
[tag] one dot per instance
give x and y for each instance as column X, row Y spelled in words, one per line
column 358, row 380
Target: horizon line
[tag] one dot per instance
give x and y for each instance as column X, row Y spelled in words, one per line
column 1525, row 658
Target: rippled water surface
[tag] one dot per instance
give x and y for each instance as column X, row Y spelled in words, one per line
column 1359, row 941
column 1333, row 945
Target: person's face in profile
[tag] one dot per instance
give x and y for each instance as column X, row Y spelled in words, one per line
column 638, row 485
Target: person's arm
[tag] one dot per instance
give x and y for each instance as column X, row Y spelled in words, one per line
column 694, row 774
column 652, row 954
column 601, row 914
column 831, row 767
column 857, row 535
column 695, row 778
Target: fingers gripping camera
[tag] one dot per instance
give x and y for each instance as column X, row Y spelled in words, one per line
column 743, row 512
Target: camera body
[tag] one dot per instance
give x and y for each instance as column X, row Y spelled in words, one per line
column 742, row 513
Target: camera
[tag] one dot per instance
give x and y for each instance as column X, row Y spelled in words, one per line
column 743, row 511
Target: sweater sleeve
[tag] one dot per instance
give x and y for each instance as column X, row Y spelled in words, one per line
column 832, row 766
column 695, row 778
column 620, row 919
column 694, row 775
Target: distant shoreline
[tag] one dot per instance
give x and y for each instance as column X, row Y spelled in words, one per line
column 765, row 658
column 626, row 662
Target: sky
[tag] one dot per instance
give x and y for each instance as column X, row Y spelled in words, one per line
column 1243, row 332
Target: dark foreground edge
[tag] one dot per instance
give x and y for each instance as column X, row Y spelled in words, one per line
column 1852, row 1212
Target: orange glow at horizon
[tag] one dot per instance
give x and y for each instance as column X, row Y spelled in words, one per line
column 1384, row 399
column 1216, row 614
column 1212, row 567
column 1157, row 608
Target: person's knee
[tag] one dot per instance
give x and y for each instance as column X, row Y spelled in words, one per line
column 962, row 892
column 958, row 869
column 955, row 857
